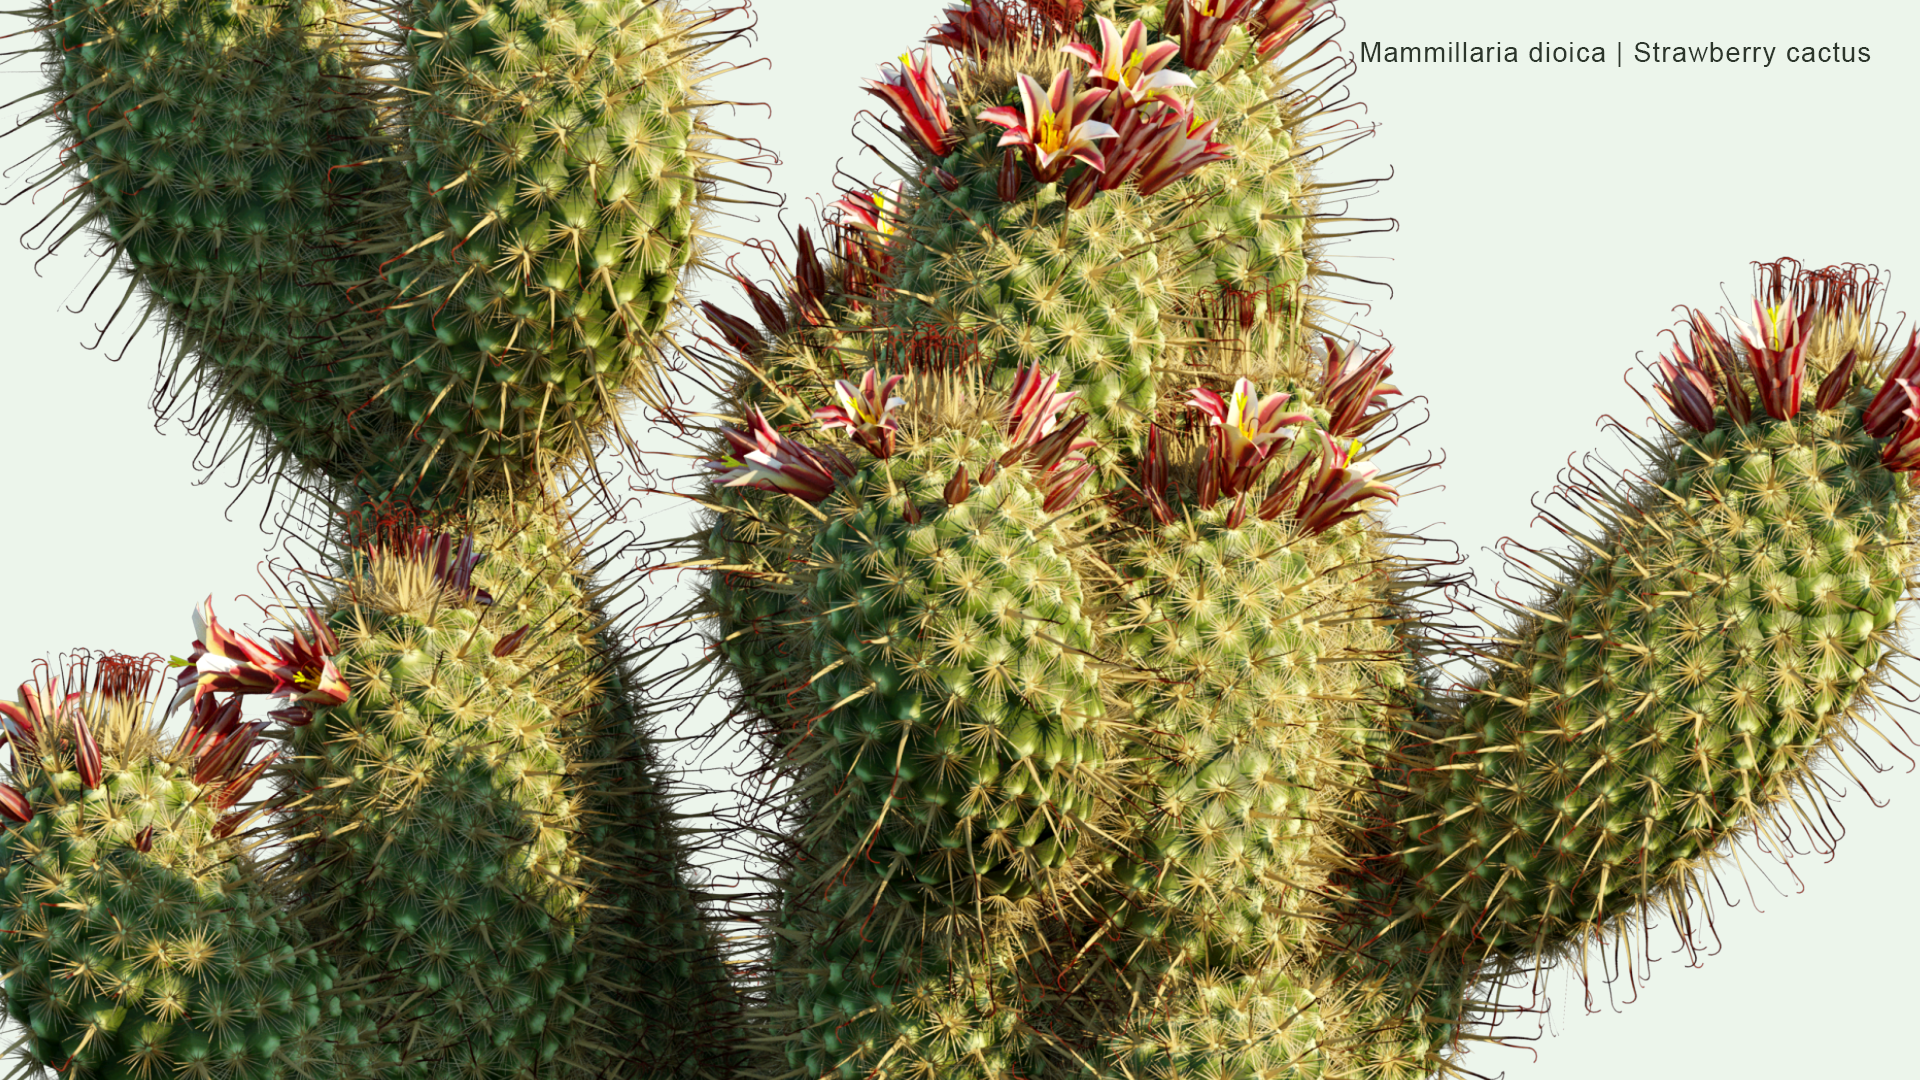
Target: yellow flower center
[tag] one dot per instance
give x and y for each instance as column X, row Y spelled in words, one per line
column 1052, row 134
column 1773, row 316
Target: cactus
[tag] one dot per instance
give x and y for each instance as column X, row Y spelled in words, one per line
column 1045, row 558
column 1046, row 548
column 416, row 261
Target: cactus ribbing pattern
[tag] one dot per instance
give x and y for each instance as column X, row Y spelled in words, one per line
column 1102, row 727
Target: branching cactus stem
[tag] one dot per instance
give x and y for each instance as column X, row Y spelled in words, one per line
column 1100, row 725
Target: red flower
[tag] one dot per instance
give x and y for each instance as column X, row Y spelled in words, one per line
column 917, row 96
column 1054, row 124
column 1355, row 387
column 768, row 460
column 1278, row 22
column 15, row 805
column 1341, row 484
column 1888, row 407
column 299, row 670
column 1777, row 352
column 1203, row 25
column 35, row 727
column 1687, row 390
column 1902, row 452
column 1181, row 148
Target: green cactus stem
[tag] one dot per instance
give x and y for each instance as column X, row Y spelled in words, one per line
column 140, row 937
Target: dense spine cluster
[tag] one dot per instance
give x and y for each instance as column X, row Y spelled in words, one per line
column 1106, row 729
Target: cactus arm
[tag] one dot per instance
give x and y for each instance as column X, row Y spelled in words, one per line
column 1719, row 625
column 225, row 152
column 555, row 155
column 141, row 936
column 487, row 836
column 482, row 850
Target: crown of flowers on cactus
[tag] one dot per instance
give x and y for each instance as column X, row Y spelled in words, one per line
column 976, row 29
column 1203, row 25
column 917, row 96
column 1157, row 139
column 765, row 459
column 866, row 411
column 1774, row 347
column 986, row 25
column 1354, row 390
column 1342, row 483
column 450, row 559
column 1134, row 71
column 300, row 671
column 1242, row 434
column 1054, row 125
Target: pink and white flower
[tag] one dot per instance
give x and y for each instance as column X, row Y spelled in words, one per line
column 763, row 458
column 917, row 96
column 1342, row 484
column 1054, row 124
column 300, row 671
column 1245, row 431
column 1033, row 409
column 866, row 411
column 1126, row 65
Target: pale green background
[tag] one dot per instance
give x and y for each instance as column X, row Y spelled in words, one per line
column 1551, row 217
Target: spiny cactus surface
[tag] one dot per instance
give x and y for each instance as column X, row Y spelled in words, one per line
column 1104, row 726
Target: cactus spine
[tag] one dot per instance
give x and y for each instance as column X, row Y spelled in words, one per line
column 1045, row 558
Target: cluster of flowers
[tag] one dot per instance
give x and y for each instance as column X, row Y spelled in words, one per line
column 1056, row 453
column 222, row 748
column 1245, row 430
column 1774, row 351
column 1125, row 100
